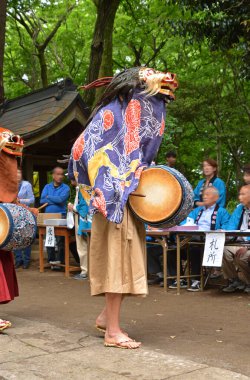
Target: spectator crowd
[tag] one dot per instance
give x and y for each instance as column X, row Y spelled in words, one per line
column 55, row 196
column 209, row 213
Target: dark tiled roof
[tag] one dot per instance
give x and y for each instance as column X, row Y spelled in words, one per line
column 40, row 110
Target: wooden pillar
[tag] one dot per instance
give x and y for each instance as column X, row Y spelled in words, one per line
column 42, row 178
column 27, row 169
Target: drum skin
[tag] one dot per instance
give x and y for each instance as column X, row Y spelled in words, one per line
column 17, row 227
column 168, row 197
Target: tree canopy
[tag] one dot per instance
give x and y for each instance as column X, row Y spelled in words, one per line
column 205, row 43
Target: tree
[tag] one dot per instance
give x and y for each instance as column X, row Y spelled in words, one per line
column 101, row 47
column 3, row 7
column 225, row 24
column 36, row 28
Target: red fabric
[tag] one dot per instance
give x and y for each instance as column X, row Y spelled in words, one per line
column 133, row 122
column 8, row 280
column 100, row 82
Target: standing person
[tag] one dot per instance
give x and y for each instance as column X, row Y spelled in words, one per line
column 210, row 169
column 26, row 197
column 171, row 159
column 80, row 209
column 122, row 137
column 10, row 149
column 246, row 174
column 56, row 194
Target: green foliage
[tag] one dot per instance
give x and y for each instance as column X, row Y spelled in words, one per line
column 231, row 205
column 67, row 55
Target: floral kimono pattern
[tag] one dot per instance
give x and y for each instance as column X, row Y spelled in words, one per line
column 108, row 157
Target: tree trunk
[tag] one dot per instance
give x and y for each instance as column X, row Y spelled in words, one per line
column 218, row 151
column 106, row 69
column 43, row 67
column 3, row 7
column 106, row 10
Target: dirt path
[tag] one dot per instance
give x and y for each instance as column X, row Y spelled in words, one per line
column 210, row 327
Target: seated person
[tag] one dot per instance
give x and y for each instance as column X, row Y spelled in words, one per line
column 238, row 256
column 208, row 217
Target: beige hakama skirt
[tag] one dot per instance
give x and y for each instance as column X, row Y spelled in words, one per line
column 117, row 258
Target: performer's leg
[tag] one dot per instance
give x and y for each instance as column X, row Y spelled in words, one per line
column 101, row 320
column 113, row 307
column 114, row 335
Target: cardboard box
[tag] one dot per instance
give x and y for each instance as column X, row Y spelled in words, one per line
column 41, row 217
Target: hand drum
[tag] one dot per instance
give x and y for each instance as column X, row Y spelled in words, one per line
column 167, row 197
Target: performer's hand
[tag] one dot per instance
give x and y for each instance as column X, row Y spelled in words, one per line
column 241, row 251
column 199, row 203
column 70, row 207
column 34, row 210
column 152, row 228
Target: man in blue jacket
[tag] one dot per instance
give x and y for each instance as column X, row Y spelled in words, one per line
column 238, row 256
column 56, row 195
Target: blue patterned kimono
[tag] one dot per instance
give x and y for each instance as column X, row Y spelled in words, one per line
column 108, row 157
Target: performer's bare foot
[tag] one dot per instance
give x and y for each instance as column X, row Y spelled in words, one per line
column 120, row 340
column 101, row 322
column 4, row 324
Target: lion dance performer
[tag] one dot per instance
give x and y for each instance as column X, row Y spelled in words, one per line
column 11, row 147
column 122, row 137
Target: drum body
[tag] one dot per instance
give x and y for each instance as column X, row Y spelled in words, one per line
column 167, row 200
column 17, row 227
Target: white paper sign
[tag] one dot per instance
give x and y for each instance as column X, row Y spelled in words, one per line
column 50, row 236
column 213, row 251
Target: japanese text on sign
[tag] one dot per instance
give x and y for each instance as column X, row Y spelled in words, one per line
column 213, row 251
column 50, row 237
